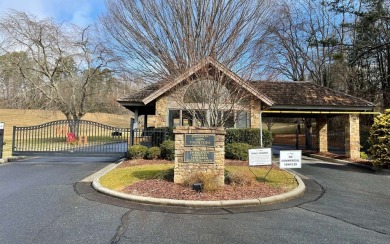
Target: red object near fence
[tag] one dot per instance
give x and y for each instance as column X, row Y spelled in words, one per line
column 70, row 137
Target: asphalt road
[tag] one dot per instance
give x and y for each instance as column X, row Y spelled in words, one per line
column 40, row 203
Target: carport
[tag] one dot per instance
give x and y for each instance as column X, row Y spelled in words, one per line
column 310, row 101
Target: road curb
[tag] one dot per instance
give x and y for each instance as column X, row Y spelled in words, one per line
column 340, row 161
column 190, row 203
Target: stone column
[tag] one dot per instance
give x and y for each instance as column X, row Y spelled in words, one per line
column 255, row 113
column 352, row 136
column 322, row 133
column 161, row 112
column 199, row 152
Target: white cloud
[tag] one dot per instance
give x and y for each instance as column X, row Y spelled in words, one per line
column 79, row 12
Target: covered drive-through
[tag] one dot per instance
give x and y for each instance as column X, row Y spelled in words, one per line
column 266, row 98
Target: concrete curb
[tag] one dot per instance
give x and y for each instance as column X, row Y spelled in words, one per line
column 189, row 203
column 11, row 159
column 340, row 161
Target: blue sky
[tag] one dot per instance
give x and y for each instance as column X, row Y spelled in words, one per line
column 79, row 12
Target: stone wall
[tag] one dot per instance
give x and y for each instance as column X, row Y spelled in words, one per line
column 184, row 170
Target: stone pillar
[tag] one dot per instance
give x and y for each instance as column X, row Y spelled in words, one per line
column 322, row 133
column 199, row 152
column 136, row 117
column 255, row 113
column 161, row 112
column 352, row 136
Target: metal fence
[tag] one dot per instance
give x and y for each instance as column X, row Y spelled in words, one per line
column 336, row 140
column 149, row 137
column 70, row 138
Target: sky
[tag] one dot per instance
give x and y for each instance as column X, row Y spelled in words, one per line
column 79, row 12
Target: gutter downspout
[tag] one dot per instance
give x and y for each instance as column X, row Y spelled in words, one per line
column 315, row 112
column 261, row 130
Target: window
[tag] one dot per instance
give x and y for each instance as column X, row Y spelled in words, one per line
column 174, row 118
column 185, row 118
column 242, row 119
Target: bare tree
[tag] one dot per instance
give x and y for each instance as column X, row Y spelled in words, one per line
column 211, row 98
column 62, row 68
column 305, row 41
column 160, row 39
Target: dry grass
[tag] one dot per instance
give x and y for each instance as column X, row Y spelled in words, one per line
column 19, row 117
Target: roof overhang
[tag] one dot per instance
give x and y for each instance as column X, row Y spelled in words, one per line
column 296, row 108
column 197, row 68
column 148, row 109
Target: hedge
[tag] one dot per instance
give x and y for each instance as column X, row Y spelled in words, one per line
column 237, row 150
column 248, row 135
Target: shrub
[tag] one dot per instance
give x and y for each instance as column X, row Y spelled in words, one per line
column 159, row 134
column 250, row 136
column 380, row 140
column 363, row 155
column 237, row 151
column 209, row 181
column 168, row 150
column 153, row 153
column 136, row 151
column 239, row 178
column 166, row 175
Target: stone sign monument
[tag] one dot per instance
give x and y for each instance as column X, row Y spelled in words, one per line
column 199, row 149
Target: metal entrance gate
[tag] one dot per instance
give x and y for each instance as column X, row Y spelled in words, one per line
column 70, row 138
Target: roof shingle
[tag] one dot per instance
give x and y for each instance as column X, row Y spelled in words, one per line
column 306, row 94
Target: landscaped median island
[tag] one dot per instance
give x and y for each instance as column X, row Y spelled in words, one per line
column 154, row 178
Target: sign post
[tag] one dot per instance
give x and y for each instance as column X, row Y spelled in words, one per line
column 1, row 139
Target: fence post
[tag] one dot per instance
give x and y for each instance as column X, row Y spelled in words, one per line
column 1, row 139
column 131, row 132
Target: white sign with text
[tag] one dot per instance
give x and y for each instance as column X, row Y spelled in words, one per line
column 1, row 126
column 260, row 156
column 291, row 159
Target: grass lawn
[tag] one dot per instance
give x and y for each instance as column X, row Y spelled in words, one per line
column 119, row 178
column 19, row 117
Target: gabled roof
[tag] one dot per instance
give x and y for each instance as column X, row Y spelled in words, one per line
column 276, row 94
column 289, row 94
column 151, row 92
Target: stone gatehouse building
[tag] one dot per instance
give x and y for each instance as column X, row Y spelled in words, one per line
column 159, row 107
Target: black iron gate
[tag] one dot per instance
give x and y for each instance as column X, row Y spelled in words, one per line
column 70, row 138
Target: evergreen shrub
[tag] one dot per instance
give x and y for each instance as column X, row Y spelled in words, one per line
column 136, row 152
column 168, row 150
column 249, row 136
column 380, row 140
column 153, row 153
column 237, row 150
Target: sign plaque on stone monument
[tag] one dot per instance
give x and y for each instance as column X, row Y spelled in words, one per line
column 198, row 157
column 199, row 140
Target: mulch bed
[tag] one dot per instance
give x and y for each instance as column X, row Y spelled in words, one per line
column 164, row 189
